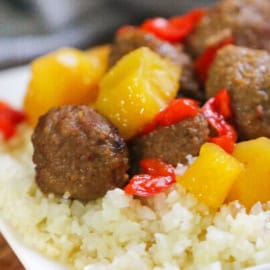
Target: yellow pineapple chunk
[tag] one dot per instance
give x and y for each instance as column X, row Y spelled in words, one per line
column 67, row 76
column 253, row 184
column 99, row 58
column 136, row 89
column 211, row 176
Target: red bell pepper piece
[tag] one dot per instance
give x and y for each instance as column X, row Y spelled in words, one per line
column 222, row 103
column 216, row 110
column 156, row 167
column 203, row 62
column 174, row 29
column 158, row 176
column 7, row 128
column 162, row 28
column 145, row 185
column 176, row 111
column 9, row 119
column 188, row 20
column 225, row 142
column 11, row 114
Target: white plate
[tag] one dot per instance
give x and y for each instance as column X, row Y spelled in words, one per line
column 13, row 84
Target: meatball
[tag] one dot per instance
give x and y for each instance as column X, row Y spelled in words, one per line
column 77, row 151
column 134, row 38
column 246, row 20
column 171, row 143
column 246, row 74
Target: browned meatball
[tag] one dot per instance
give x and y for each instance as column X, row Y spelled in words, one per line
column 78, row 151
column 134, row 38
column 246, row 74
column 247, row 20
column 172, row 143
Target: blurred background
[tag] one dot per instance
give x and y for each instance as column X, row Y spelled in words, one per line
column 29, row 28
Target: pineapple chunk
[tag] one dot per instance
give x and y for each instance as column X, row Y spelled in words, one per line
column 99, row 58
column 67, row 76
column 136, row 89
column 253, row 184
column 211, row 176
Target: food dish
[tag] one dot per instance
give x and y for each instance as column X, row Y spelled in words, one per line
column 107, row 227
column 16, row 79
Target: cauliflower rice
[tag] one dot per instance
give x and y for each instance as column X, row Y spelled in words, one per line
column 169, row 231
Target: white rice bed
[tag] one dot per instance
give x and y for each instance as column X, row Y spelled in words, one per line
column 169, row 231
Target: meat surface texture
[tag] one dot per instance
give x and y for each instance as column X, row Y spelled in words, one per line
column 78, row 152
column 246, row 20
column 172, row 143
column 246, row 74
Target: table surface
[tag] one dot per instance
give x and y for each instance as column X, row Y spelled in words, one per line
column 8, row 259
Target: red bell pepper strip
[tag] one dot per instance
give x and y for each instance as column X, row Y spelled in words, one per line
column 174, row 29
column 225, row 142
column 188, row 20
column 145, row 185
column 176, row 111
column 156, row 167
column 9, row 119
column 222, row 103
column 7, row 129
column 162, row 29
column 158, row 177
column 10, row 113
column 203, row 62
column 216, row 110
